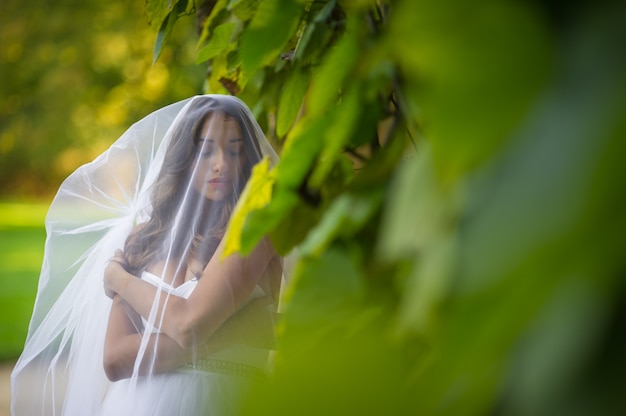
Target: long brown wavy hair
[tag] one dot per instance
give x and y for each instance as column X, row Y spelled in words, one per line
column 193, row 236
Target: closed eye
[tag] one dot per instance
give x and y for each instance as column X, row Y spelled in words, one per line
column 235, row 146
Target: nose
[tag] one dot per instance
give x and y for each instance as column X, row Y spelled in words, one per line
column 219, row 163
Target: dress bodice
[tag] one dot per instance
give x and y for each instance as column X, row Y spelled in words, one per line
column 238, row 353
column 184, row 290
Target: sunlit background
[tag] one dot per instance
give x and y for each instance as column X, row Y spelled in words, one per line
column 484, row 276
column 73, row 76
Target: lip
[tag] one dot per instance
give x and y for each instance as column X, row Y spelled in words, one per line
column 220, row 183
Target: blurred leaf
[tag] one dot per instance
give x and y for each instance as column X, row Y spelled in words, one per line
column 300, row 151
column 218, row 10
column 313, row 279
column 329, row 78
column 327, row 316
column 562, row 338
column 345, row 216
column 315, row 32
column 261, row 222
column 417, row 210
column 293, row 226
column 157, row 11
column 162, row 35
column 179, row 8
column 418, row 224
column 268, row 32
column 244, row 9
column 524, row 262
column 338, row 134
column 366, row 128
column 495, row 61
column 218, row 42
column 290, row 102
column 256, row 194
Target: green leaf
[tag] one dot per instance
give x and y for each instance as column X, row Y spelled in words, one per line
column 315, row 33
column 179, row 8
column 244, row 9
column 162, row 36
column 300, row 151
column 290, row 101
column 256, row 194
column 417, row 209
column 218, row 12
column 294, row 225
column 262, row 222
column 218, row 42
column 495, row 63
column 269, row 30
column 332, row 277
column 337, row 134
column 329, row 79
column 157, row 11
column 344, row 217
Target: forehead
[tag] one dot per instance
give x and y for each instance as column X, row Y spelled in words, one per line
column 218, row 126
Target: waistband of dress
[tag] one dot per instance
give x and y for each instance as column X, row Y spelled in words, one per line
column 219, row 366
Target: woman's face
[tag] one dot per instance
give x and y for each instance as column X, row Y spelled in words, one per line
column 220, row 158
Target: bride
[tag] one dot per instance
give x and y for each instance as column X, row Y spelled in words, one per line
column 181, row 330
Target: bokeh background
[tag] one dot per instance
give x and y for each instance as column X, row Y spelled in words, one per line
column 73, row 76
column 484, row 274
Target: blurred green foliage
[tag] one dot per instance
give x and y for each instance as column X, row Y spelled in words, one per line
column 22, row 237
column 450, row 185
column 449, row 181
column 75, row 75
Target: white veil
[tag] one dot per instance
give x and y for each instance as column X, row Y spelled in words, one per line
column 95, row 210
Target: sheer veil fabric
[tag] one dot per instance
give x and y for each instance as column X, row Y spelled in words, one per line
column 163, row 194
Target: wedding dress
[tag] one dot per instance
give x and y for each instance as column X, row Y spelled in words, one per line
column 213, row 386
column 60, row 371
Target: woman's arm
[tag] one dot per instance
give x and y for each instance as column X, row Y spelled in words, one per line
column 221, row 290
column 123, row 341
column 253, row 325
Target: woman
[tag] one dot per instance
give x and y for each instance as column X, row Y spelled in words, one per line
column 180, row 334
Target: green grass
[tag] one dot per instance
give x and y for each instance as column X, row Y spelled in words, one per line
column 22, row 236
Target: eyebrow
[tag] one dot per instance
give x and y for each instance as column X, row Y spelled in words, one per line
column 233, row 140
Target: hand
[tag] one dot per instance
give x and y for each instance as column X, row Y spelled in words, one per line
column 114, row 271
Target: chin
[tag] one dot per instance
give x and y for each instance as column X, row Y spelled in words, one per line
column 217, row 196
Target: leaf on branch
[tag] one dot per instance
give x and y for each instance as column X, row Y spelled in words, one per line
column 291, row 98
column 244, row 9
column 256, row 194
column 162, row 36
column 178, row 8
column 316, row 31
column 329, row 79
column 207, row 23
column 346, row 215
column 157, row 12
column 268, row 32
column 231, row 86
column 300, row 152
column 284, row 208
column 338, row 134
column 218, row 42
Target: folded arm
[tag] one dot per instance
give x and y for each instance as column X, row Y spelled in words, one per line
column 223, row 287
column 253, row 325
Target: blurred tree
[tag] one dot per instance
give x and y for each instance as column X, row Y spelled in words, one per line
column 450, row 180
column 449, row 176
column 73, row 77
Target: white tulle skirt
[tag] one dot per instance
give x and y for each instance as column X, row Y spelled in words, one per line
column 184, row 393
